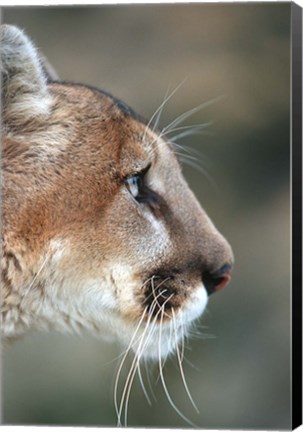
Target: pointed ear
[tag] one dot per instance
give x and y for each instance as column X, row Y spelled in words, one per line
column 25, row 96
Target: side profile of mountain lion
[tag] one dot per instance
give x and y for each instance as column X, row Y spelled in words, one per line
column 100, row 230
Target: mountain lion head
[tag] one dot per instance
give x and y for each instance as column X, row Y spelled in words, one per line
column 100, row 228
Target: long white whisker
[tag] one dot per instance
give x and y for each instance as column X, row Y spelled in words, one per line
column 187, row 151
column 182, row 338
column 159, row 110
column 152, row 327
column 148, row 381
column 190, row 133
column 193, row 126
column 164, row 384
column 142, row 384
column 200, row 169
column 121, row 366
column 136, row 362
column 135, row 367
column 184, row 131
column 129, row 380
column 124, row 358
column 165, row 100
column 142, row 350
column 180, row 365
column 126, row 390
column 169, row 343
column 130, row 377
column 188, row 114
column 178, row 136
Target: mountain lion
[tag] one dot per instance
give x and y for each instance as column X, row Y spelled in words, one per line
column 100, row 229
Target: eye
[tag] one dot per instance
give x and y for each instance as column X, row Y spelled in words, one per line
column 135, row 184
column 139, row 189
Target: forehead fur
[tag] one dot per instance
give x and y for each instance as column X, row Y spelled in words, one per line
column 78, row 114
column 74, row 159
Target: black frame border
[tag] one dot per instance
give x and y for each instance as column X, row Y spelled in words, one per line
column 296, row 133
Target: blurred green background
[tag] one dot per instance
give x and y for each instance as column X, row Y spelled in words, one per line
column 240, row 376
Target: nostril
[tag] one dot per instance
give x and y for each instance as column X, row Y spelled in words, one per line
column 214, row 282
column 222, row 281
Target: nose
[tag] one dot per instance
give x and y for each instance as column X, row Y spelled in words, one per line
column 218, row 280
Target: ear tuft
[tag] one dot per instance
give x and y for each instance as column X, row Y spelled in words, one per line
column 24, row 89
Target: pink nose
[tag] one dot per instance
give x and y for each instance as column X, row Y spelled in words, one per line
column 215, row 282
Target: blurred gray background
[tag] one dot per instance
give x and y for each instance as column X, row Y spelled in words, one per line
column 239, row 375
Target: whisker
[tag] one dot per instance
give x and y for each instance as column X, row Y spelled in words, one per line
column 201, row 170
column 164, row 384
column 189, row 133
column 114, row 359
column 189, row 153
column 139, row 368
column 142, row 385
column 147, row 370
column 173, row 139
column 36, row 275
column 192, row 365
column 201, row 336
column 136, row 362
column 135, row 367
column 121, row 366
column 169, row 343
column 127, row 390
column 197, row 331
column 180, row 365
column 193, row 126
column 182, row 338
column 159, row 110
column 184, row 157
column 189, row 130
column 188, row 114
column 130, row 377
column 157, row 121
column 162, row 292
column 128, row 382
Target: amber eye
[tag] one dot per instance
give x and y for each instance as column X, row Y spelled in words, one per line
column 134, row 184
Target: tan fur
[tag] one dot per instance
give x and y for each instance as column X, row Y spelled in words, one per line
column 78, row 250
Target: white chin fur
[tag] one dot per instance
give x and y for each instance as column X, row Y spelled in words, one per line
column 159, row 340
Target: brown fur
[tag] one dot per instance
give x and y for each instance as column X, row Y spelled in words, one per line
column 69, row 222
